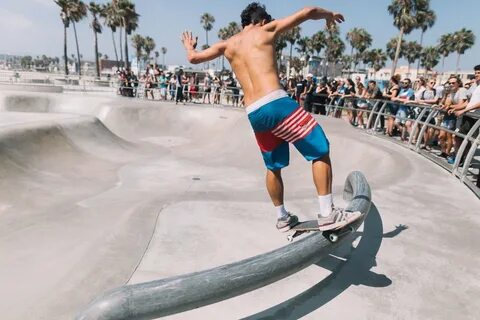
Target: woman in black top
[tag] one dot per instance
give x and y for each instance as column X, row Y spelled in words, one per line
column 349, row 97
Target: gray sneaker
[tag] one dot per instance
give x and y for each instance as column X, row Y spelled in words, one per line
column 337, row 219
column 286, row 223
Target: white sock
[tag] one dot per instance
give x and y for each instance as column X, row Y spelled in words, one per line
column 326, row 203
column 281, row 212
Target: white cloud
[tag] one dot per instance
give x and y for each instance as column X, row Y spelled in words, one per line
column 13, row 21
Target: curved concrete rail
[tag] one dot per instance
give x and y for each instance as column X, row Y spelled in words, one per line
column 185, row 292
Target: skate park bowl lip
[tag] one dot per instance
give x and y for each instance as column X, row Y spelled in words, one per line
column 24, row 87
column 91, row 187
column 164, row 297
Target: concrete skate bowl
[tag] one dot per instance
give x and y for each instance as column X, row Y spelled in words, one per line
column 99, row 192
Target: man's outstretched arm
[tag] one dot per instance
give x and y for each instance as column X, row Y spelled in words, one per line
column 196, row 57
column 307, row 13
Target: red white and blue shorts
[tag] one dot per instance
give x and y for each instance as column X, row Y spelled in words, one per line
column 278, row 120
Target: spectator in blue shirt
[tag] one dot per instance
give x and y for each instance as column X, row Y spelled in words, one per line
column 405, row 95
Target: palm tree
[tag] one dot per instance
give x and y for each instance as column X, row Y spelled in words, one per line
column 280, row 44
column 426, row 19
column 296, row 64
column 157, row 54
column 113, row 21
column 164, row 52
column 462, row 41
column 376, row 59
column 405, row 16
column 392, row 48
column 78, row 11
column 95, row 11
column 429, row 58
column 445, row 47
column 207, row 21
column 412, row 52
column 224, row 33
column 129, row 18
column 359, row 40
column 304, row 46
column 64, row 15
column 292, row 36
column 335, row 46
column 149, row 46
column 317, row 42
column 346, row 61
column 138, row 43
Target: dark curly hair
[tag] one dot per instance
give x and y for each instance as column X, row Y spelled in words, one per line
column 254, row 13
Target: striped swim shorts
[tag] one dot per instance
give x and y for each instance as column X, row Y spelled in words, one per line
column 278, row 120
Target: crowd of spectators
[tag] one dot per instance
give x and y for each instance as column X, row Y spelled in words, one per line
column 405, row 100
column 451, row 105
column 157, row 84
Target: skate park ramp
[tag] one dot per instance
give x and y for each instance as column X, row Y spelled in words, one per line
column 97, row 192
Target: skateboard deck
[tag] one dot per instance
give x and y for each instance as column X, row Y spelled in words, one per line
column 312, row 226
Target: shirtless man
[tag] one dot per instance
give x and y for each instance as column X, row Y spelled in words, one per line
column 276, row 119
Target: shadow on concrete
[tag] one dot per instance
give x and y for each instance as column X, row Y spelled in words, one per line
column 349, row 265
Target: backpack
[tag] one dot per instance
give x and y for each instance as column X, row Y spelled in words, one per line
column 434, row 93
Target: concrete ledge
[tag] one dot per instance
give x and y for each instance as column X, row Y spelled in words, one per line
column 30, row 87
column 185, row 292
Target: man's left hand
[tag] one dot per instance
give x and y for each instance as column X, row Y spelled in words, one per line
column 334, row 18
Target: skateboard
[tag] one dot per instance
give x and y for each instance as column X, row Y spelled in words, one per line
column 312, row 226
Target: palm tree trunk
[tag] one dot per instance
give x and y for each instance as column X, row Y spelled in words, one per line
column 397, row 52
column 458, row 63
column 421, row 44
column 65, row 56
column 351, row 55
column 120, row 36
column 208, row 62
column 164, row 61
column 115, row 49
column 78, row 50
column 97, row 63
column 127, row 64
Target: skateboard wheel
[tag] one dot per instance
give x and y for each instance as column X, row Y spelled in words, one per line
column 333, row 237
column 290, row 238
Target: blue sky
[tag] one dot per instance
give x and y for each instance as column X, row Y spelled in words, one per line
column 34, row 26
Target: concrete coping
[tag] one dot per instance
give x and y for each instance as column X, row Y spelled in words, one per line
column 176, row 294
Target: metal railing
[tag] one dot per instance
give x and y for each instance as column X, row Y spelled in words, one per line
column 427, row 119
column 69, row 83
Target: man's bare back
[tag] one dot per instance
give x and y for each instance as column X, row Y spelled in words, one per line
column 251, row 52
